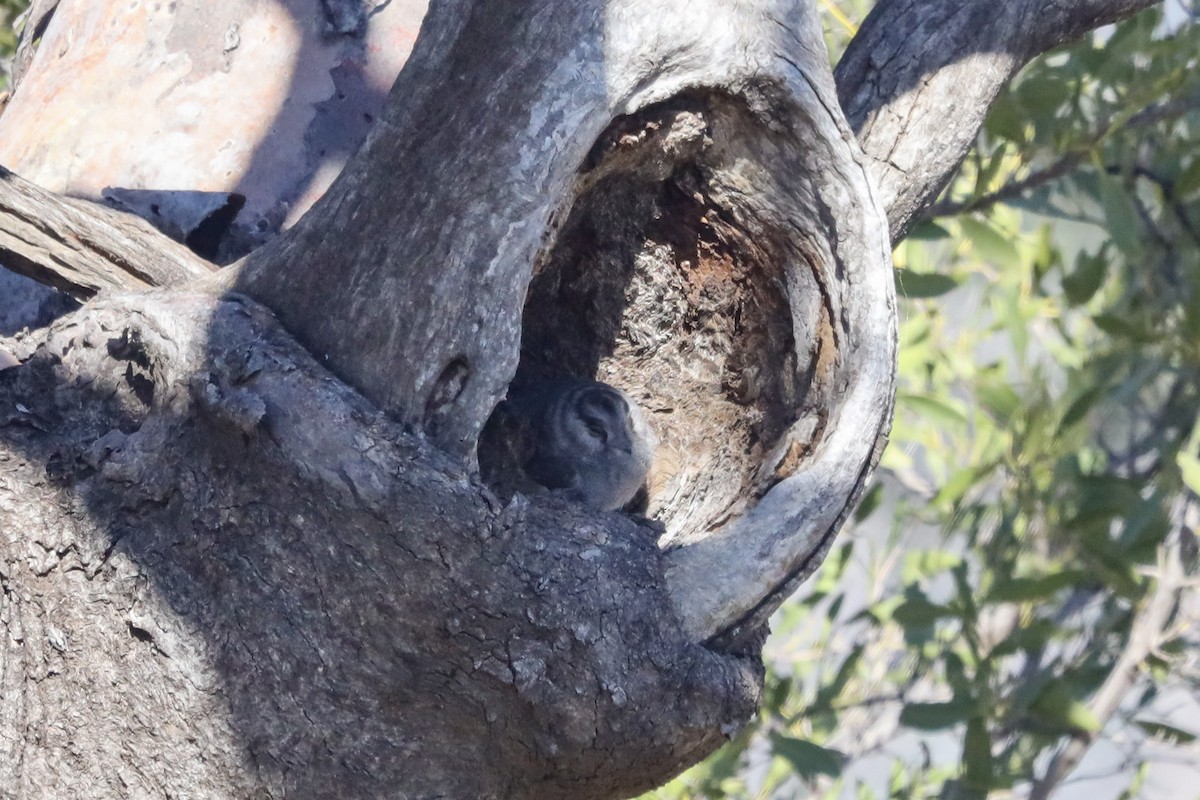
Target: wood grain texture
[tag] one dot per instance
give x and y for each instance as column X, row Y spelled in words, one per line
column 82, row 248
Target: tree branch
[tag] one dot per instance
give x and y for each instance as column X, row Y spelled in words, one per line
column 918, row 79
column 637, row 153
column 1065, row 20
column 82, row 248
column 1144, row 638
column 1171, row 109
column 1009, row 191
column 278, row 574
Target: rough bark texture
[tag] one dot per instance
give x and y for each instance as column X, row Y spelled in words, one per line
column 312, row 603
column 917, row 80
column 693, row 225
column 349, row 610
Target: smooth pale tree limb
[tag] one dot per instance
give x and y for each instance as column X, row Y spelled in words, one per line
column 81, row 248
column 917, row 80
column 265, row 101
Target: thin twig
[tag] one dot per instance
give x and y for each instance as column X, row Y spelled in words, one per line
column 1150, row 115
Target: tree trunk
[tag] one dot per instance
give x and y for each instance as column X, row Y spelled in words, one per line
column 224, row 572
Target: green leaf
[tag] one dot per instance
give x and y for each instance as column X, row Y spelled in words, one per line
column 929, row 232
column 775, row 693
column 956, row 486
column 1102, row 497
column 1020, row 590
column 881, row 612
column 1033, row 636
column 1043, row 93
column 922, row 285
column 1122, row 328
column 919, row 612
column 932, row 409
column 956, row 672
column 1121, row 217
column 1111, row 566
column 870, row 502
column 1005, row 119
column 833, row 690
column 922, row 564
column 1000, row 400
column 937, row 716
column 978, row 767
column 1189, row 469
column 1188, row 180
column 1134, row 790
column 992, row 246
column 1146, row 525
column 1087, row 277
column 1056, row 708
column 806, row 758
column 1079, row 408
column 990, row 167
column 1166, row 733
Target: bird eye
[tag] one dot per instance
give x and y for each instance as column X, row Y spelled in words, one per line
column 596, row 428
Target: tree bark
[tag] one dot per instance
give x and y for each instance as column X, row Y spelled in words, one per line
column 232, row 576
column 722, row 181
column 335, row 597
column 917, row 80
column 270, row 583
column 82, row 248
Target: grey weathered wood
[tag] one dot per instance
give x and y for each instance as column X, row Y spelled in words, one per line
column 223, row 574
column 917, row 80
column 454, row 206
column 82, row 248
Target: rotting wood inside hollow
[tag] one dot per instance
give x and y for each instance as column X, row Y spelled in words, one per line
column 654, row 285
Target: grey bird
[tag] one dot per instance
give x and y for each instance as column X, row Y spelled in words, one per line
column 585, row 437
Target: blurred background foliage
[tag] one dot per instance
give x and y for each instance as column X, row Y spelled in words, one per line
column 9, row 11
column 1013, row 612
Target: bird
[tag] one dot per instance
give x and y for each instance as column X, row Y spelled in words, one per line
column 583, row 437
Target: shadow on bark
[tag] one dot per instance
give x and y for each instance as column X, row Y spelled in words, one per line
column 323, row 594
